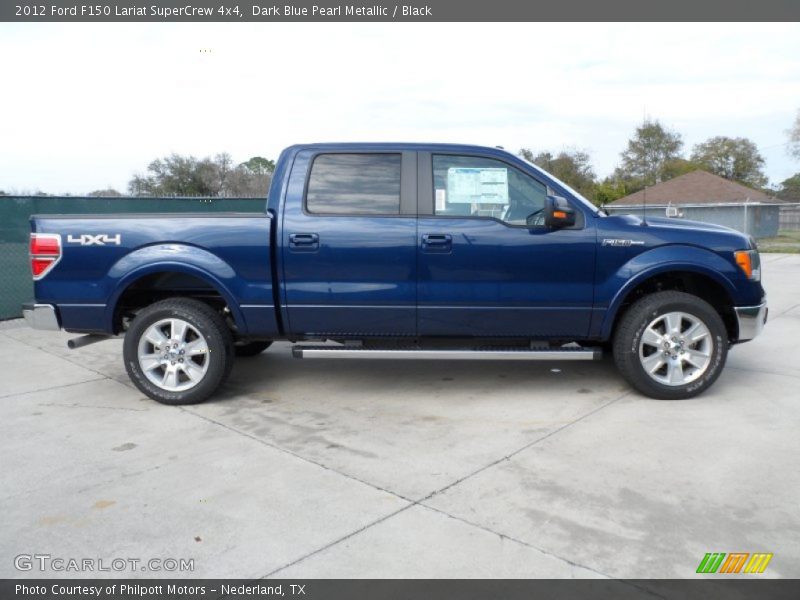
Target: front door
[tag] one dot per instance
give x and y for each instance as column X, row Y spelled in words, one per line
column 488, row 267
column 349, row 245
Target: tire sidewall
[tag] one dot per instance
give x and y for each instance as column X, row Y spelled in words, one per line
column 206, row 326
column 648, row 312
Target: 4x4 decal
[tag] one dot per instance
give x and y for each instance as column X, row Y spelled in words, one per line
column 88, row 239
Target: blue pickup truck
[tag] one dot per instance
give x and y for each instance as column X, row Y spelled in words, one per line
column 401, row 251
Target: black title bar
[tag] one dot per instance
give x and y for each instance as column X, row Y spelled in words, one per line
column 413, row 10
column 710, row 588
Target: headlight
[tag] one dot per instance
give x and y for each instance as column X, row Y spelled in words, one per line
column 750, row 263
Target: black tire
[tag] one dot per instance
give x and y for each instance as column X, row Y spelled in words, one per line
column 250, row 349
column 640, row 315
column 208, row 322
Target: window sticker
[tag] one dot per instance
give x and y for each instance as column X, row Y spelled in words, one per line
column 441, row 199
column 474, row 185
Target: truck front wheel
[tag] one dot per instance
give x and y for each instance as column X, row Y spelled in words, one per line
column 671, row 345
column 178, row 351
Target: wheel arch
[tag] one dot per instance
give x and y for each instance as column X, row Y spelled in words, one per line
column 691, row 278
column 173, row 278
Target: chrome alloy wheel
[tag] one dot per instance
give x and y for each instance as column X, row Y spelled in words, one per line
column 173, row 355
column 676, row 348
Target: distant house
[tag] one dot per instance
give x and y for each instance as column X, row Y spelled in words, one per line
column 703, row 196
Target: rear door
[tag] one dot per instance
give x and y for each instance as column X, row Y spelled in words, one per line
column 487, row 265
column 349, row 244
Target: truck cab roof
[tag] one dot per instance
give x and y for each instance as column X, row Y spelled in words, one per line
column 403, row 146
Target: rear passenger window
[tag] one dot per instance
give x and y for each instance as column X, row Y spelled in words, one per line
column 354, row 184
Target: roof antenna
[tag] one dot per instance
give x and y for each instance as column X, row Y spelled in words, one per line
column 644, row 207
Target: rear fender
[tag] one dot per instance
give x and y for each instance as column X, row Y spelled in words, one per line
column 176, row 258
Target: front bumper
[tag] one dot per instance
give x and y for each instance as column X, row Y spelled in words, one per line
column 751, row 320
column 41, row 316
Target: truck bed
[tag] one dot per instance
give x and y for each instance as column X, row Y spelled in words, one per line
column 100, row 254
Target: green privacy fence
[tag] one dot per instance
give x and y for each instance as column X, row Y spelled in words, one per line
column 16, row 285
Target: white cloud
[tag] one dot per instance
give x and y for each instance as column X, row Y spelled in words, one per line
column 86, row 105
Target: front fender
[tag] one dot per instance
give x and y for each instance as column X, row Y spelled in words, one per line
column 612, row 291
column 178, row 258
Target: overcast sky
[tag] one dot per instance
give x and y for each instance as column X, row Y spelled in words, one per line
column 84, row 106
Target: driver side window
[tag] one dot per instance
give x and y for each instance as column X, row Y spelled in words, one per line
column 474, row 186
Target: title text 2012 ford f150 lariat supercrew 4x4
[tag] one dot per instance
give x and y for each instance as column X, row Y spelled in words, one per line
column 401, row 251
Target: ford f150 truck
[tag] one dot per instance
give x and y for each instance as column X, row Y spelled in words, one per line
column 397, row 251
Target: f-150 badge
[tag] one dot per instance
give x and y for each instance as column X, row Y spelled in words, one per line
column 624, row 243
column 88, row 239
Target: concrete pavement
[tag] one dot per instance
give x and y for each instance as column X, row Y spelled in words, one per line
column 414, row 469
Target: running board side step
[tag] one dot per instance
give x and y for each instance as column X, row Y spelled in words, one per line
column 300, row 351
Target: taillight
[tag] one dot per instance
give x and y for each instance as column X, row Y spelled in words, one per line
column 45, row 253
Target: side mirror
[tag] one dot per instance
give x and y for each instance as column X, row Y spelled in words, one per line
column 558, row 213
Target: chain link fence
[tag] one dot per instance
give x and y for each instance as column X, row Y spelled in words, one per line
column 16, row 285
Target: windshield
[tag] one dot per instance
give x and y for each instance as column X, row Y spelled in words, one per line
column 575, row 193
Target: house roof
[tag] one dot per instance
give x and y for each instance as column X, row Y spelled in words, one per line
column 697, row 187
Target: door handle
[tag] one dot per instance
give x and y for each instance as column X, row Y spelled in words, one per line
column 437, row 242
column 437, row 239
column 304, row 241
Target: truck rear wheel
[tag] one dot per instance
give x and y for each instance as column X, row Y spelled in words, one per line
column 178, row 351
column 671, row 345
